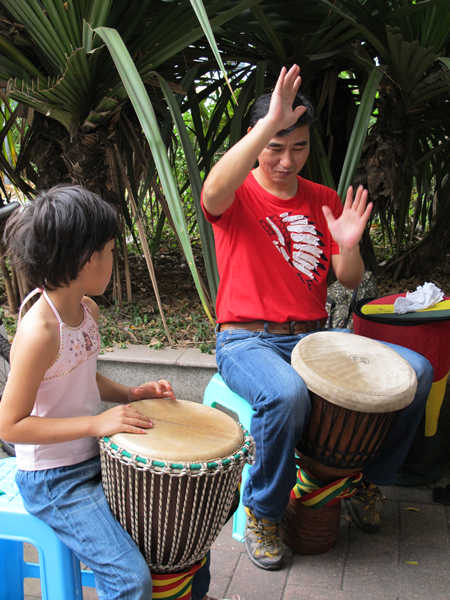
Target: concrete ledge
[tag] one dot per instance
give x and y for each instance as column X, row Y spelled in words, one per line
column 188, row 370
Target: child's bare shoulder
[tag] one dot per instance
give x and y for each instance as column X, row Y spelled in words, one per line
column 92, row 307
column 36, row 343
column 39, row 327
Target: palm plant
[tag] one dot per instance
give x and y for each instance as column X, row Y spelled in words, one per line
column 370, row 67
column 406, row 154
column 321, row 43
column 342, row 91
column 84, row 128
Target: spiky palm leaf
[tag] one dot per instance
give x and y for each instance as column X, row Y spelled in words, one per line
column 54, row 62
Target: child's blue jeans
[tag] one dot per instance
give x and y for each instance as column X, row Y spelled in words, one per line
column 257, row 366
column 71, row 501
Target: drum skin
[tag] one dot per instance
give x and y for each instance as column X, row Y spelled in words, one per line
column 182, row 432
column 172, row 487
column 354, row 372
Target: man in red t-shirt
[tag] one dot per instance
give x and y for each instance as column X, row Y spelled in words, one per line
column 277, row 235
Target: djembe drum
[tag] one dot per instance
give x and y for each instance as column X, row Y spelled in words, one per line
column 425, row 331
column 356, row 386
column 172, row 487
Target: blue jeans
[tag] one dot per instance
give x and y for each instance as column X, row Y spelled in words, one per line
column 71, row 501
column 256, row 365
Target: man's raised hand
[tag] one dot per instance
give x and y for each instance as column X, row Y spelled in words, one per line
column 347, row 230
column 283, row 96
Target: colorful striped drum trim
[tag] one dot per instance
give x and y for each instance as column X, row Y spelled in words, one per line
column 314, row 494
column 175, row 586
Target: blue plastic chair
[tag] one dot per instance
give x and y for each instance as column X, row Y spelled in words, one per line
column 218, row 394
column 58, row 569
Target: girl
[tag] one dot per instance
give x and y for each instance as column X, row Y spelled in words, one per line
column 64, row 244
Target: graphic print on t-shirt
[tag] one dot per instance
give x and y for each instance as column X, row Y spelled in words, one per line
column 298, row 241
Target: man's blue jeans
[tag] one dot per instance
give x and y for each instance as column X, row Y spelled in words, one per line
column 256, row 365
column 71, row 500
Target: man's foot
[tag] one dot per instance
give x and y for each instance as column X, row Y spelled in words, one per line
column 263, row 543
column 365, row 507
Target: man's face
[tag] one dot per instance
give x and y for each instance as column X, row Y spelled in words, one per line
column 284, row 156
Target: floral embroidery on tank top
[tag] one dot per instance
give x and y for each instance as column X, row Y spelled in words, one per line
column 77, row 345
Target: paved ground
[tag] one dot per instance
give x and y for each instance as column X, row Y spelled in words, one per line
column 408, row 560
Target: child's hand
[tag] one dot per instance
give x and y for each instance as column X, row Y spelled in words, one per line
column 121, row 419
column 151, row 389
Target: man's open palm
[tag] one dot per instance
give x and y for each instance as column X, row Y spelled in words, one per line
column 348, row 229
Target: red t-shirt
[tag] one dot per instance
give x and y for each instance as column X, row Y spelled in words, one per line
column 273, row 255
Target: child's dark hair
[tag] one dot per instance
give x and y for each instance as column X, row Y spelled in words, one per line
column 53, row 237
column 261, row 105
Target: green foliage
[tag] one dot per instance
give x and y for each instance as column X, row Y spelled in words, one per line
column 9, row 323
column 147, row 118
column 138, row 324
column 52, row 60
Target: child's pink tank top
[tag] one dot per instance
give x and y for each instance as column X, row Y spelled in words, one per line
column 68, row 389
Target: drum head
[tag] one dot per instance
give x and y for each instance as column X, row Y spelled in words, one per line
column 183, row 432
column 354, row 372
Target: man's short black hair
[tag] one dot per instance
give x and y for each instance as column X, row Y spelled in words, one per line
column 261, row 107
column 51, row 238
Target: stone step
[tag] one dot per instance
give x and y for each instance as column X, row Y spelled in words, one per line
column 187, row 369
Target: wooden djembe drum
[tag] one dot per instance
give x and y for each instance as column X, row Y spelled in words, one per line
column 172, row 487
column 356, row 386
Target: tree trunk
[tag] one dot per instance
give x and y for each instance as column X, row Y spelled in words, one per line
column 11, row 296
column 368, row 253
column 126, row 269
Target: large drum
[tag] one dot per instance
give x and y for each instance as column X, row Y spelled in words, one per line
column 172, row 487
column 426, row 331
column 356, row 385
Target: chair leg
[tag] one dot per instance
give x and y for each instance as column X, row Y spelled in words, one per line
column 240, row 518
column 60, row 571
column 217, row 394
column 11, row 570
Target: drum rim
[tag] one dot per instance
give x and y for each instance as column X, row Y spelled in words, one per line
column 395, row 318
column 244, row 452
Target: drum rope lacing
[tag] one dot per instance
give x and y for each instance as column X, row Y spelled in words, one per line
column 184, row 536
